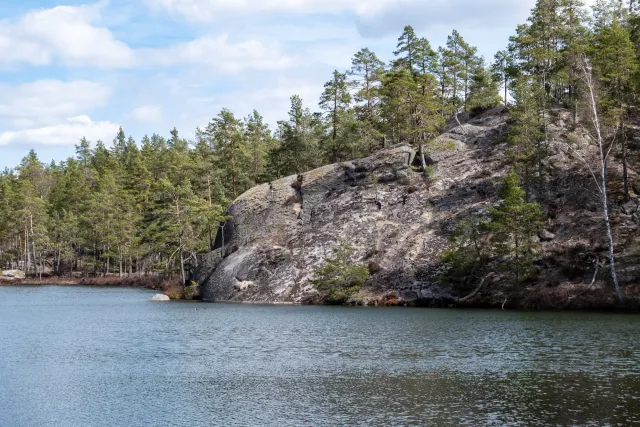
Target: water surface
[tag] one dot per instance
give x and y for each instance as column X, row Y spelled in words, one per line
column 74, row 356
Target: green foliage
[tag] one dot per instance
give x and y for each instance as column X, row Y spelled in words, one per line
column 339, row 277
column 483, row 90
column 153, row 206
column 191, row 292
column 299, row 136
column 507, row 236
column 470, row 249
column 526, row 136
column 514, row 226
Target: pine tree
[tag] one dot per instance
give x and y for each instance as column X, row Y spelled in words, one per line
column 339, row 277
column 335, row 100
column 515, row 224
column 504, row 70
column 260, row 142
column 367, row 71
column 407, row 51
column 615, row 64
column 231, row 150
column 483, row 89
column 299, row 137
column 526, row 137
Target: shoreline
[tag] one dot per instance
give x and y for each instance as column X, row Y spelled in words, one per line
column 577, row 298
column 152, row 283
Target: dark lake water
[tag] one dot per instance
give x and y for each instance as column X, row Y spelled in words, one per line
column 75, row 357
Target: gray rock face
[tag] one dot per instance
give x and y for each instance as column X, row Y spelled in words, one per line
column 546, row 236
column 397, row 222
column 282, row 232
column 160, row 297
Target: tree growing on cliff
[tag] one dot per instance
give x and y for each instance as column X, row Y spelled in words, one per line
column 470, row 249
column 514, row 225
column 335, row 101
column 483, row 89
column 339, row 277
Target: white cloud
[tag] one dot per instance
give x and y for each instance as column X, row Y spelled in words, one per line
column 222, row 55
column 71, row 36
column 147, row 114
column 64, row 133
column 66, row 34
column 208, row 10
column 45, row 101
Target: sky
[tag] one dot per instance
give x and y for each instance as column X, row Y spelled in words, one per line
column 73, row 68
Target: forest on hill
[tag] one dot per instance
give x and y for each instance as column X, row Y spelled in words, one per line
column 151, row 207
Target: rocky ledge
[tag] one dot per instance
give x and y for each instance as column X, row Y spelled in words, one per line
column 398, row 223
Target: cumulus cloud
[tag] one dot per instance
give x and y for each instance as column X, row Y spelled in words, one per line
column 64, row 133
column 373, row 17
column 209, row 10
column 49, row 100
column 147, row 114
column 71, row 36
column 222, row 55
column 425, row 14
column 64, row 34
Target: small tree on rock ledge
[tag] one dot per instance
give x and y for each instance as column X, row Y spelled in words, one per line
column 339, row 277
column 515, row 224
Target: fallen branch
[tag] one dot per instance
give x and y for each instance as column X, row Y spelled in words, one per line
column 476, row 291
column 595, row 273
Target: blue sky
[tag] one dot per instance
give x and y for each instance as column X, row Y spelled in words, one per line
column 74, row 68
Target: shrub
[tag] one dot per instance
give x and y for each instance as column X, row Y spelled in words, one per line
column 192, row 292
column 339, row 278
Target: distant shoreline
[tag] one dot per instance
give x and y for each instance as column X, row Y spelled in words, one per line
column 151, row 283
column 587, row 300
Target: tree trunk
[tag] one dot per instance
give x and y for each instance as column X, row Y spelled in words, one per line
column 182, row 275
column 506, row 83
column 33, row 248
column 27, row 255
column 423, row 162
column 603, row 178
column 625, row 172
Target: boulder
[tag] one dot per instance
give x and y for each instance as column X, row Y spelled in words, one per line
column 630, row 207
column 12, row 274
column 546, row 236
column 403, row 178
column 160, row 297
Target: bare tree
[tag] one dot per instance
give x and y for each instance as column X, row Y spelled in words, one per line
column 603, row 154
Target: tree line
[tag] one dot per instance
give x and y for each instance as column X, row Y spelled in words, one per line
column 152, row 206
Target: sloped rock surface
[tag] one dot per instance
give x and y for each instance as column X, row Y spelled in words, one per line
column 398, row 222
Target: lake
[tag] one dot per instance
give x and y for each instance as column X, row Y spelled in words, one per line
column 72, row 356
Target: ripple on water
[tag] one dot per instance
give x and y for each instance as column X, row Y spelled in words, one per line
column 108, row 357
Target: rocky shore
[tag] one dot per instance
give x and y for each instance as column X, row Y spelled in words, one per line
column 398, row 224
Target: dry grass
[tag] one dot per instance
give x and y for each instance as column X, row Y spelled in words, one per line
column 171, row 287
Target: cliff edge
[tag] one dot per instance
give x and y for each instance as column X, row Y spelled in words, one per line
column 398, row 223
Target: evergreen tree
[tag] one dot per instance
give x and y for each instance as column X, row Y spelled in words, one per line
column 335, row 100
column 407, row 51
column 483, row 89
column 515, row 224
column 299, row 137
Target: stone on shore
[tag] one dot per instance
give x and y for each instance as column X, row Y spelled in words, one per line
column 160, row 297
column 12, row 274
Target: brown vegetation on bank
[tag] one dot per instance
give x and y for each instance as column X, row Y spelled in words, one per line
column 170, row 287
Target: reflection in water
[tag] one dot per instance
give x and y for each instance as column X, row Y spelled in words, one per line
column 108, row 357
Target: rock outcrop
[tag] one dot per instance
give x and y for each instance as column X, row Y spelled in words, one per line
column 398, row 222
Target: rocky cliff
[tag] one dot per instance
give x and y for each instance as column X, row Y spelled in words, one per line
column 398, row 223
